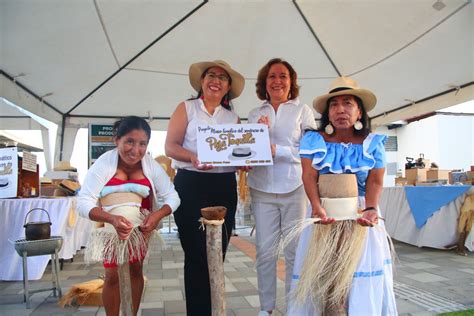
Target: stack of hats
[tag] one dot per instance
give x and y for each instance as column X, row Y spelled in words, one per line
column 71, row 187
column 63, row 180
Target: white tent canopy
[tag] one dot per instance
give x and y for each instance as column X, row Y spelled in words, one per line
column 75, row 62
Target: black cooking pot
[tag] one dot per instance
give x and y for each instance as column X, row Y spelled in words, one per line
column 37, row 230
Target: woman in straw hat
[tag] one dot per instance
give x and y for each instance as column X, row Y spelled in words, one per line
column 277, row 194
column 200, row 185
column 325, row 282
column 132, row 183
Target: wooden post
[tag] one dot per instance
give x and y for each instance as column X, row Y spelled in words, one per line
column 213, row 219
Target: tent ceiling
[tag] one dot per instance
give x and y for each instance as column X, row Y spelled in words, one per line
column 104, row 58
column 13, row 119
column 8, row 140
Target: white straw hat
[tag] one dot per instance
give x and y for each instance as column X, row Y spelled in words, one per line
column 345, row 86
column 197, row 69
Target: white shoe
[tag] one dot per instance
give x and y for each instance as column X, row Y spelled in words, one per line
column 264, row 313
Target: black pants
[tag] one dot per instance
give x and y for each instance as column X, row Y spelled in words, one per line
column 197, row 190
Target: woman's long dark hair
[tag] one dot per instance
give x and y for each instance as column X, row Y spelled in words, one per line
column 225, row 101
column 129, row 123
column 324, row 121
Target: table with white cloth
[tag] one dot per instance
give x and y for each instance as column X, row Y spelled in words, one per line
column 440, row 229
column 65, row 223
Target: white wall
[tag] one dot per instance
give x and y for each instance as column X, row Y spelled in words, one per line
column 391, row 156
column 456, row 139
column 447, row 140
column 419, row 137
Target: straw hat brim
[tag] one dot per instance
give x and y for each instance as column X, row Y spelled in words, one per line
column 368, row 99
column 196, row 70
column 64, row 166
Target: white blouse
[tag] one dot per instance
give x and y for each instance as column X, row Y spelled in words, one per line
column 198, row 115
column 287, row 126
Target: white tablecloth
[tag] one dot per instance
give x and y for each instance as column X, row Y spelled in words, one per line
column 440, row 231
column 12, row 216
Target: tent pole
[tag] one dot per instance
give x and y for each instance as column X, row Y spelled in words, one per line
column 63, row 127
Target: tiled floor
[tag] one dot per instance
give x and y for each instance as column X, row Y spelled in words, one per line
column 427, row 281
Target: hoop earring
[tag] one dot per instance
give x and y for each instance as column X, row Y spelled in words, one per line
column 329, row 129
column 358, row 125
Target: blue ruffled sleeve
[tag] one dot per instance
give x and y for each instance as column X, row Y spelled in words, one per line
column 313, row 146
column 377, row 150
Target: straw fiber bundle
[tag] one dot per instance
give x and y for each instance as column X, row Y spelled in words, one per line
column 87, row 293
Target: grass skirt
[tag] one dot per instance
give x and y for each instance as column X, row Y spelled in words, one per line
column 105, row 245
column 363, row 281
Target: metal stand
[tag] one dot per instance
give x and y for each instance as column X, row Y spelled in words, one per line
column 38, row 248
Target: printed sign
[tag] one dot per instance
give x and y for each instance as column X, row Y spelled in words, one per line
column 100, row 140
column 8, row 172
column 234, row 145
column 29, row 162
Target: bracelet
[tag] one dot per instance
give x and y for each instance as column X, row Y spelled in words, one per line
column 370, row 208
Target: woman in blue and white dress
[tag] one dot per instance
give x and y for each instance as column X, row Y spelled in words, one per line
column 344, row 144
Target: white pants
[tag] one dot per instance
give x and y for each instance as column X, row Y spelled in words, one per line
column 275, row 216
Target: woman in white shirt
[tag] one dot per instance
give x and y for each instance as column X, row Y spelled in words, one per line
column 200, row 185
column 278, row 197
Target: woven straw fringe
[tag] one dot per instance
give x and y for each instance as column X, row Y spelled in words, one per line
column 243, row 188
column 81, row 292
column 333, row 254
column 105, row 245
column 466, row 219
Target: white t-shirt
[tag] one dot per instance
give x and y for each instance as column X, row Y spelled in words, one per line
column 287, row 126
column 197, row 115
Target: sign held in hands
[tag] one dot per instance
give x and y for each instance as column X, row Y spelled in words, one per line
column 234, row 145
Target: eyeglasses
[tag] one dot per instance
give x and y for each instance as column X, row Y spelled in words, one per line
column 213, row 75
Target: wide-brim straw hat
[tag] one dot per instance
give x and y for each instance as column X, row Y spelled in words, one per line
column 64, row 166
column 196, row 70
column 345, row 86
column 71, row 186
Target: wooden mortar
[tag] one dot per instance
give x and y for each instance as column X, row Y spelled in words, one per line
column 214, row 212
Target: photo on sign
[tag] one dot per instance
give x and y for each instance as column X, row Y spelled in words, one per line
column 234, row 145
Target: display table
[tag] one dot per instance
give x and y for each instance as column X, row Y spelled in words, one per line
column 440, row 230
column 65, row 222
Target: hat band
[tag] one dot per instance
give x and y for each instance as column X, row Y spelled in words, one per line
column 340, row 89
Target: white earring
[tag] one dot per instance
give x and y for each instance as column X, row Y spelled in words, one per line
column 358, row 125
column 329, row 129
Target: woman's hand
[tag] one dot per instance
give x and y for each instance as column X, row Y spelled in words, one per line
column 320, row 213
column 198, row 165
column 244, row 168
column 369, row 218
column 150, row 222
column 264, row 120
column 122, row 226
